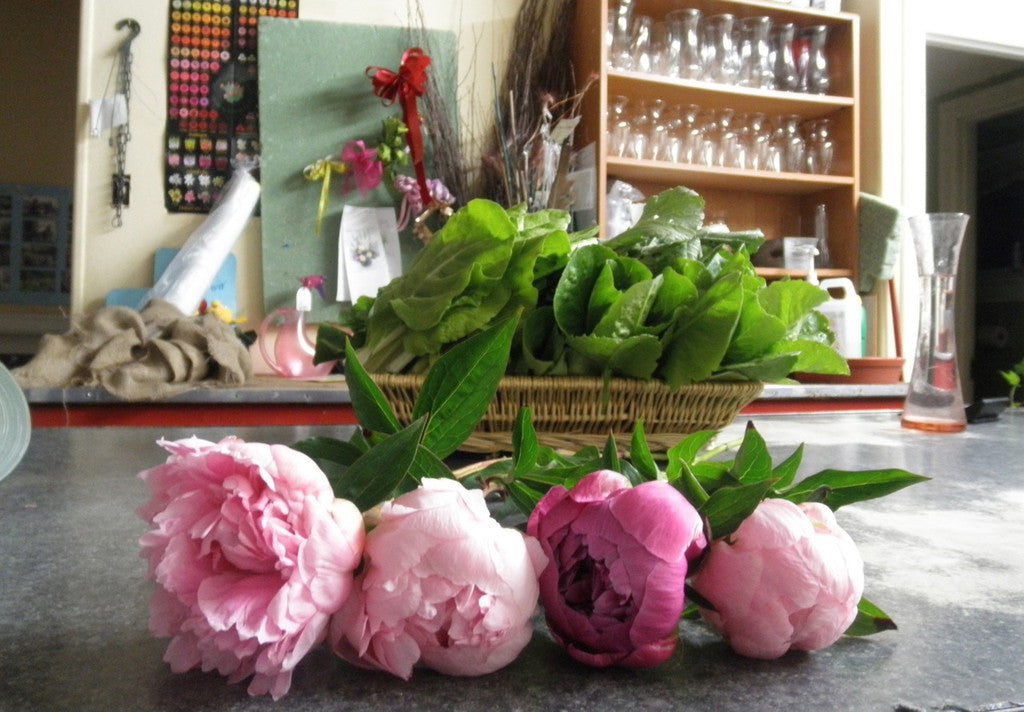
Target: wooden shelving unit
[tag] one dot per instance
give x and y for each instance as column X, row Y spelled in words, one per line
column 778, row 204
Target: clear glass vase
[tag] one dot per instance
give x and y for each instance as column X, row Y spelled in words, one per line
column 934, row 400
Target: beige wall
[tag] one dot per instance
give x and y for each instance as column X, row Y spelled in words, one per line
column 105, row 257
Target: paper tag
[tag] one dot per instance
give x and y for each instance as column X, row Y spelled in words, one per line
column 564, row 129
column 369, row 255
column 107, row 113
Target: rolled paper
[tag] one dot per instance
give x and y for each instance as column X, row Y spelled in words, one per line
column 405, row 86
column 192, row 271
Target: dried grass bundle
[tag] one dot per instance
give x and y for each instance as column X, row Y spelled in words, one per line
column 537, row 90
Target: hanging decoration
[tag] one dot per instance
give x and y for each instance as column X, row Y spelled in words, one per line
column 212, row 99
column 120, row 191
column 405, row 86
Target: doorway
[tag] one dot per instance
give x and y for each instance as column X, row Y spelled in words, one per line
column 976, row 166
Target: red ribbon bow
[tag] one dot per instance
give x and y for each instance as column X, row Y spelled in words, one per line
column 406, row 85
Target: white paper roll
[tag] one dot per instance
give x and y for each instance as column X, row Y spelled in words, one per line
column 192, row 271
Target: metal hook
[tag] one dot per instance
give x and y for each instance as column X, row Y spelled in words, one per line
column 134, row 28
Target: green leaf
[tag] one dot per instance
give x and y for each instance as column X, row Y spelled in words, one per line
column 870, row 620
column 686, row 482
column 325, row 449
column 610, row 455
column 374, row 477
column 640, row 454
column 330, row 343
column 836, row 488
column 524, row 444
column 785, row 472
column 633, row 356
column 524, row 497
column 753, row 463
column 460, row 385
column 426, row 464
column 697, row 342
column 727, row 507
column 371, row 408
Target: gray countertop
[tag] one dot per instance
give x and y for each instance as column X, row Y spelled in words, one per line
column 268, row 389
column 944, row 558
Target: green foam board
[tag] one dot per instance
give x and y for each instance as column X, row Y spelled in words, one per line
column 314, row 97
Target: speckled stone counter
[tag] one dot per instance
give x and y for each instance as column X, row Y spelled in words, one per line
column 944, row 558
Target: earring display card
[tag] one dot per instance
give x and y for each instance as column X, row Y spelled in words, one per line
column 369, row 254
column 212, row 100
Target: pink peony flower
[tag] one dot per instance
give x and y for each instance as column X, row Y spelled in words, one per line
column 788, row 577
column 443, row 585
column 252, row 554
column 613, row 587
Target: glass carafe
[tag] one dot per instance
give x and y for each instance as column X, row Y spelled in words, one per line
column 934, row 401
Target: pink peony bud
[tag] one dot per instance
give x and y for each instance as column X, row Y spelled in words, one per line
column 613, row 587
column 788, row 577
column 252, row 554
column 443, row 585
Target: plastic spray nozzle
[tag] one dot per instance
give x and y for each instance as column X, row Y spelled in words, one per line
column 304, row 297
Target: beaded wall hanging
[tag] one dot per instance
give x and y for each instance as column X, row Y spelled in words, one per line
column 212, row 95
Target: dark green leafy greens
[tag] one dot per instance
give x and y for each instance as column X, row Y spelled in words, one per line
column 666, row 299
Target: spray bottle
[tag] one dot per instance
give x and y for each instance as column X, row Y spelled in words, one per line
column 293, row 350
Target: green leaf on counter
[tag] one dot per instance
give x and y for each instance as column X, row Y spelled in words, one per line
column 870, row 620
column 371, row 408
column 836, row 488
column 524, row 444
column 324, row 449
column 727, row 507
column 753, row 462
column 460, row 385
column 785, row 472
column 640, row 454
column 373, row 477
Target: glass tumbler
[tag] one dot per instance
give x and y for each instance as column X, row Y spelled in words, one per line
column 934, row 401
column 781, row 56
column 721, row 58
column 620, row 28
column 685, row 28
column 755, row 62
column 811, row 62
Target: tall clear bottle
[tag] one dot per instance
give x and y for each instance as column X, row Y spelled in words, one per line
column 934, row 399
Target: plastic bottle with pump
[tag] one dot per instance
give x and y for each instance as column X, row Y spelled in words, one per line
column 844, row 313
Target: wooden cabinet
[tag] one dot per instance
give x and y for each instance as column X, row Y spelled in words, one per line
column 34, row 236
column 778, row 203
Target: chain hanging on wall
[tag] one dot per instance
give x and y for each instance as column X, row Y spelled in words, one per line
column 121, row 180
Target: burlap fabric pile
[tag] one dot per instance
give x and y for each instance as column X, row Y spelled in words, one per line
column 147, row 355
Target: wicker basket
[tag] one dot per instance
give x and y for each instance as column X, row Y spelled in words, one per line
column 567, row 413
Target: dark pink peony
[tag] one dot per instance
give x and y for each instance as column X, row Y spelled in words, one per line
column 443, row 586
column 613, row 587
column 788, row 577
column 252, row 554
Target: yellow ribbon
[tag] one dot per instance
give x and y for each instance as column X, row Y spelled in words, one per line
column 321, row 170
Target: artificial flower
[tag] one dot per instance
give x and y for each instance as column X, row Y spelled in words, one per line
column 363, row 166
column 252, row 554
column 443, row 585
column 617, row 560
column 788, row 577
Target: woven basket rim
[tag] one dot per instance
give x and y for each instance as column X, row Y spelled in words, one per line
column 587, row 383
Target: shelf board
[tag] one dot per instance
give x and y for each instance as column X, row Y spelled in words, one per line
column 693, row 176
column 822, row 272
column 740, row 99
